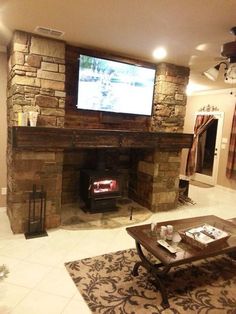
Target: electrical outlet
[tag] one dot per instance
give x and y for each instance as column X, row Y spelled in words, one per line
column 4, row 191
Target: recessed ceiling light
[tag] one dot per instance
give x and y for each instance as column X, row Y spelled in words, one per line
column 159, row 53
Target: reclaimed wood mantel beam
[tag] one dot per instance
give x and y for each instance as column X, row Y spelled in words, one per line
column 44, row 138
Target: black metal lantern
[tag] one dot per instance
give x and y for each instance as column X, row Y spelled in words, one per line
column 37, row 214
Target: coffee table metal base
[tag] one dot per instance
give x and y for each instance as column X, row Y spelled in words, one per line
column 158, row 271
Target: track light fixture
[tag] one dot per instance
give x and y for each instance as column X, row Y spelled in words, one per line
column 228, row 50
column 212, row 73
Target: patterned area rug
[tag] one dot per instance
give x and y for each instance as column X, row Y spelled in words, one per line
column 106, row 284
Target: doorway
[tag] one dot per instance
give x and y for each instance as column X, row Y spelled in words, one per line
column 207, row 158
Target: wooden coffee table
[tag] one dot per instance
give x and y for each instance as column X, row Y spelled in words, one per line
column 185, row 254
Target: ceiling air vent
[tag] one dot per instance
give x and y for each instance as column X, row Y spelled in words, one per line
column 49, row 31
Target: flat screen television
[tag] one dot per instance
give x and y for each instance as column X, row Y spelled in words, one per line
column 114, row 86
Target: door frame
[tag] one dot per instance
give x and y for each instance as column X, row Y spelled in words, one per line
column 212, row 180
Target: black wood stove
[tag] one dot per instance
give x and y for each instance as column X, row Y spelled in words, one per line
column 99, row 189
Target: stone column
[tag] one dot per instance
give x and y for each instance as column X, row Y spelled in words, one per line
column 157, row 184
column 166, row 181
column 156, row 180
column 169, row 98
column 36, row 81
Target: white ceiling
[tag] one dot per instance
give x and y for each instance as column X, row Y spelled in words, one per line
column 191, row 30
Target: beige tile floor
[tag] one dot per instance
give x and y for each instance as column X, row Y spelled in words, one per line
column 38, row 282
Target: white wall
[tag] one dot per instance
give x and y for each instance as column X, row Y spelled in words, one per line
column 3, row 125
column 225, row 102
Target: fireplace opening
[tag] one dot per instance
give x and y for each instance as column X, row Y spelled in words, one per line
column 98, row 180
column 100, row 189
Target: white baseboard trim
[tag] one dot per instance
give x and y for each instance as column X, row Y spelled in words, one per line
column 226, row 188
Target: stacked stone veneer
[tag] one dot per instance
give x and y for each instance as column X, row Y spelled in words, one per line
column 36, row 81
column 157, row 180
column 169, row 98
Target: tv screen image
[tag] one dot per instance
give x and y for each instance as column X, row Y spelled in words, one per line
column 107, row 85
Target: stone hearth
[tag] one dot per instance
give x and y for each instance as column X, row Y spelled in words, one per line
column 41, row 78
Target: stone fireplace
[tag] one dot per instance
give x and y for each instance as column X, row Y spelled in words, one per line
column 147, row 150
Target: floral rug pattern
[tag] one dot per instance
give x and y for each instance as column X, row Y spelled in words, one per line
column 108, row 287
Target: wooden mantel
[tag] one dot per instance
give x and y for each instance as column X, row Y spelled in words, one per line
column 44, row 138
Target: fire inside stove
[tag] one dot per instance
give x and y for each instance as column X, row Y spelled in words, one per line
column 105, row 186
column 99, row 189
